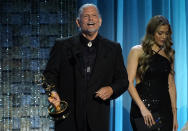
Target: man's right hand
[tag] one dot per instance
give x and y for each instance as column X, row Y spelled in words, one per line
column 54, row 99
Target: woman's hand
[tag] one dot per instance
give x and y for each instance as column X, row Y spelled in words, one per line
column 175, row 123
column 148, row 118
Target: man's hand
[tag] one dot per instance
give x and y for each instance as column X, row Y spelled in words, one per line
column 54, row 99
column 104, row 93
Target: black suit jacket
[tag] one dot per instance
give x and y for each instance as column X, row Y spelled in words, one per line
column 64, row 69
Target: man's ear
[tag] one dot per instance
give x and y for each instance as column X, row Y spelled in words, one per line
column 78, row 23
column 100, row 21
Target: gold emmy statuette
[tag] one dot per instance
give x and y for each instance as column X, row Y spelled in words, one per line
column 59, row 112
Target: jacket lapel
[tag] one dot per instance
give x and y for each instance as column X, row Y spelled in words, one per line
column 77, row 54
column 101, row 55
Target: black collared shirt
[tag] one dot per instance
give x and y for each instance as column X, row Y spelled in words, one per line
column 89, row 55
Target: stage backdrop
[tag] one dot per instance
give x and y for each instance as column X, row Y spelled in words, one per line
column 125, row 21
column 28, row 29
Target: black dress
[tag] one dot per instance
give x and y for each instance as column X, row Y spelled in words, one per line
column 153, row 90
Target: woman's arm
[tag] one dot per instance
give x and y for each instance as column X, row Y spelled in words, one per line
column 172, row 92
column 132, row 64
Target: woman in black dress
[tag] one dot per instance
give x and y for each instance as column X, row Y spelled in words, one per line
column 151, row 64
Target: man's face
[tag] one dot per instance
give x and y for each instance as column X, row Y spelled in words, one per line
column 89, row 21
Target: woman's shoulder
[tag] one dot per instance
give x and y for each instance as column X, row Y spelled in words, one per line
column 137, row 50
column 137, row 47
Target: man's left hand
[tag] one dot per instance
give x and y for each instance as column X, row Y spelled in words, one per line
column 104, row 93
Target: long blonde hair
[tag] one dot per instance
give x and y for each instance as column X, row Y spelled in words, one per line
column 149, row 41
